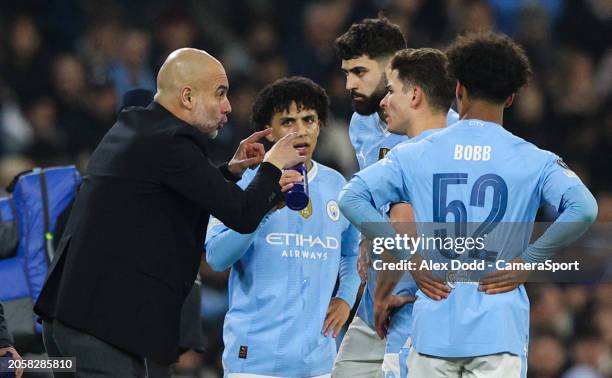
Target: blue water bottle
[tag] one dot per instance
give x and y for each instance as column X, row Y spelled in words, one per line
column 297, row 197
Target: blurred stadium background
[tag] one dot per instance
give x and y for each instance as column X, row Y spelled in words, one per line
column 65, row 64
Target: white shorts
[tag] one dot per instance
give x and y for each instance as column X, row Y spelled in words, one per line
column 361, row 353
column 395, row 365
column 491, row 366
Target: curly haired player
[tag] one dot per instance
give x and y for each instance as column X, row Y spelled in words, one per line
column 474, row 173
column 282, row 317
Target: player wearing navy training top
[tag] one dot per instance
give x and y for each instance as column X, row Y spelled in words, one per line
column 365, row 50
column 282, row 317
column 474, row 172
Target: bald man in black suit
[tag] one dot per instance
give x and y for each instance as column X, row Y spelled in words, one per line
column 134, row 239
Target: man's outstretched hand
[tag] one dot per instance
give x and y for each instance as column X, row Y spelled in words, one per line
column 249, row 153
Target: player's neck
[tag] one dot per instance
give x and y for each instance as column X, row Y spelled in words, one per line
column 484, row 111
column 432, row 121
column 308, row 165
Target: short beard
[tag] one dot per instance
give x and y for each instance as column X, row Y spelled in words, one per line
column 208, row 129
column 213, row 134
column 371, row 104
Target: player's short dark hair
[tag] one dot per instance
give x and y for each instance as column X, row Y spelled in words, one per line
column 490, row 65
column 428, row 69
column 278, row 96
column 374, row 37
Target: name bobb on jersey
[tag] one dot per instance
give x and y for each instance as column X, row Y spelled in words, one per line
column 485, row 173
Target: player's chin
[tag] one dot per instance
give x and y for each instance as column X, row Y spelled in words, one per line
column 358, row 102
column 392, row 126
column 215, row 131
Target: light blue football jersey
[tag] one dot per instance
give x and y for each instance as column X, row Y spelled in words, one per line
column 371, row 141
column 280, row 289
column 476, row 172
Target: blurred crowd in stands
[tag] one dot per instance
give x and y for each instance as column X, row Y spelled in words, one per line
column 65, row 65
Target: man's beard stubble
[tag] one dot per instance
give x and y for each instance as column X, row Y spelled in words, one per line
column 370, row 104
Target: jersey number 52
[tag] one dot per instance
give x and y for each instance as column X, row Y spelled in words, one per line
column 441, row 208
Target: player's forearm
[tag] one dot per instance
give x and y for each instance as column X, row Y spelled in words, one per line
column 355, row 202
column 349, row 280
column 387, row 279
column 224, row 249
column 227, row 247
column 579, row 212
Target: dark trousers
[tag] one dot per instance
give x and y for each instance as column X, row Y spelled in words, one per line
column 94, row 357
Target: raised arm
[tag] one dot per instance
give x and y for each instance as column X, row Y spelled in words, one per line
column 188, row 171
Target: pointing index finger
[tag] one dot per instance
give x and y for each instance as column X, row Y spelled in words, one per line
column 258, row 135
column 289, row 137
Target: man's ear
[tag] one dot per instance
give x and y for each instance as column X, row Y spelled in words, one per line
column 417, row 96
column 459, row 91
column 270, row 137
column 187, row 97
column 509, row 100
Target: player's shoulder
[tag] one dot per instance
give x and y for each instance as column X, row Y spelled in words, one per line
column 364, row 122
column 415, row 149
column 448, row 132
column 328, row 174
column 408, row 148
column 360, row 118
column 441, row 135
column 527, row 149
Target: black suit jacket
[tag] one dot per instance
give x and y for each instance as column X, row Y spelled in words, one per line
column 135, row 236
column 5, row 337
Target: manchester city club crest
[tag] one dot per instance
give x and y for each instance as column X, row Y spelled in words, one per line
column 333, row 211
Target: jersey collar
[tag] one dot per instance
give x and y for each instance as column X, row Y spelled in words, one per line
column 473, row 122
column 424, row 134
column 313, row 171
column 384, row 128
